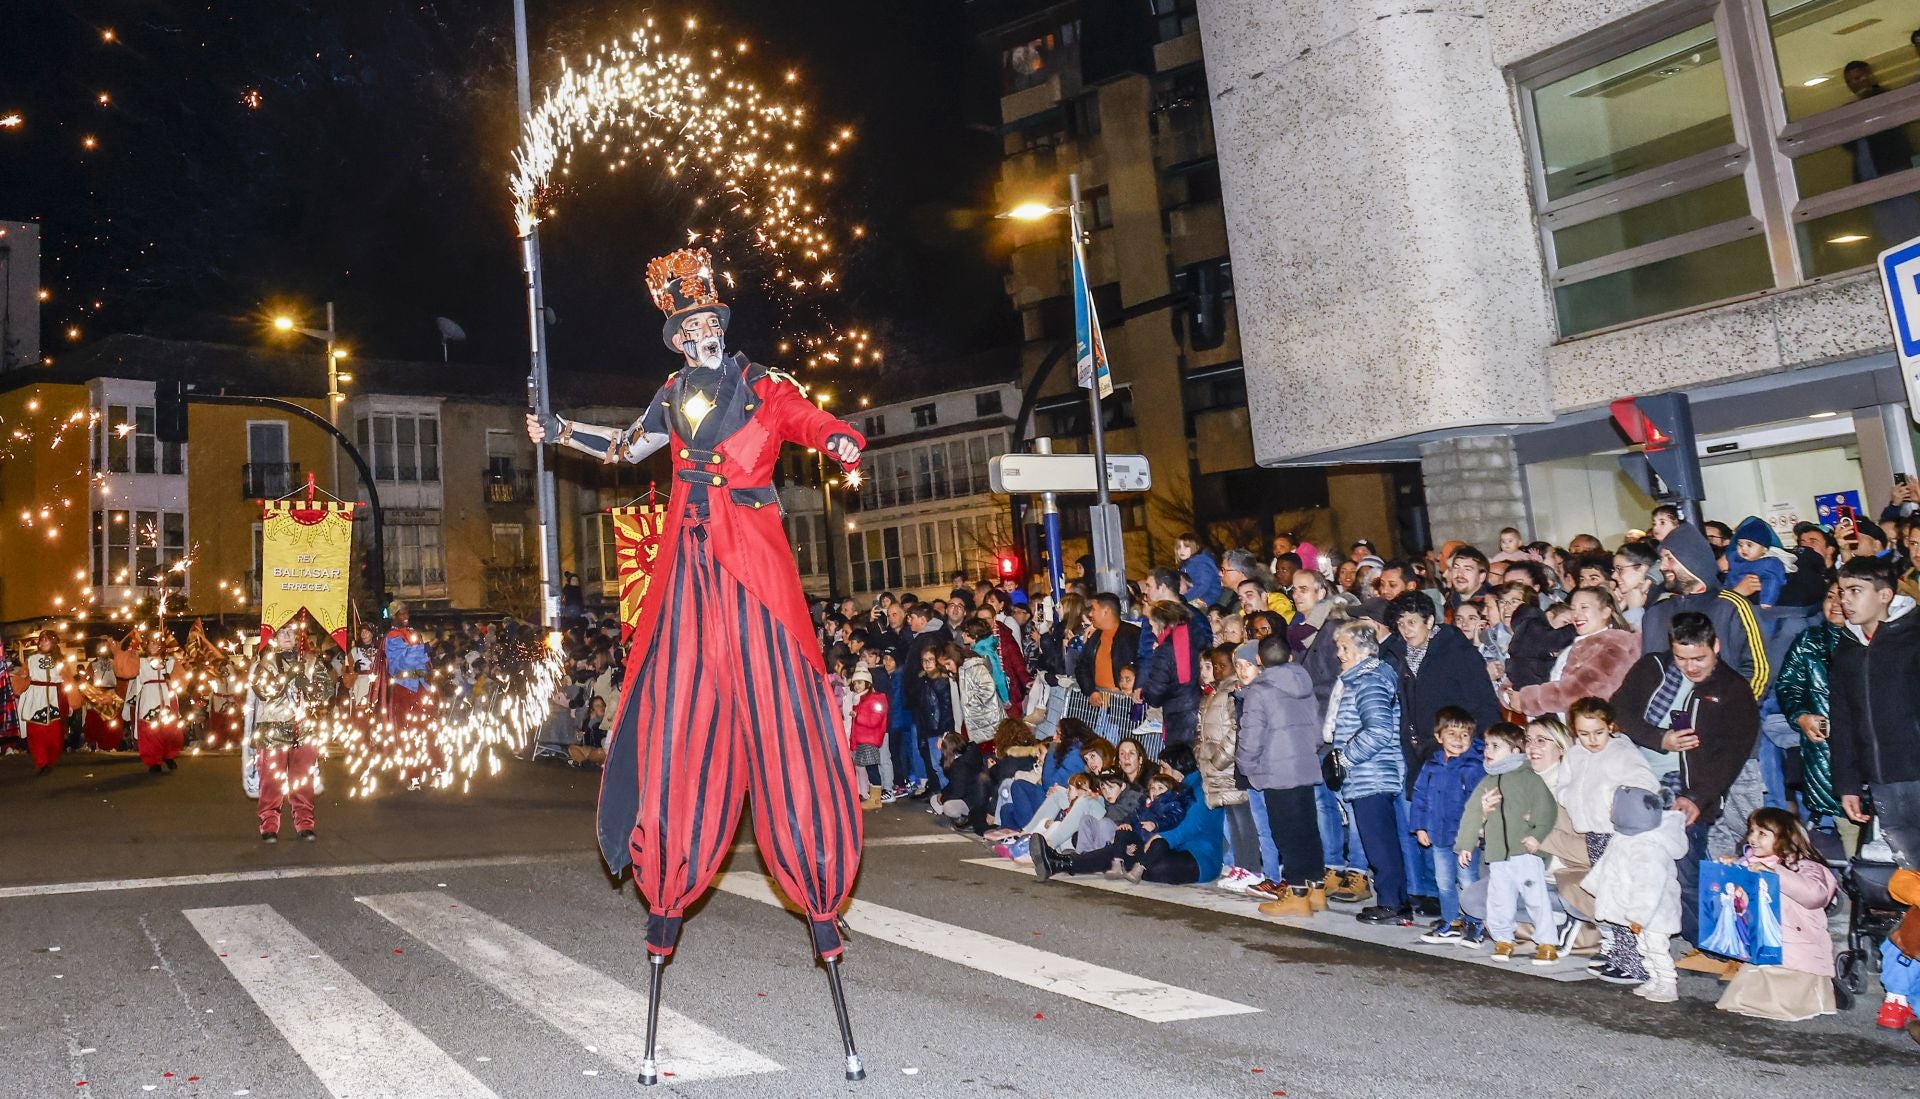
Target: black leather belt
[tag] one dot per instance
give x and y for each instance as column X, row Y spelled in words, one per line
column 705, row 457
column 700, row 477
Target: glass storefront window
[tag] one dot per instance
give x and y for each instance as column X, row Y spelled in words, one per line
column 1696, row 278
column 1821, row 46
column 1852, row 238
column 1656, row 105
column 1669, row 217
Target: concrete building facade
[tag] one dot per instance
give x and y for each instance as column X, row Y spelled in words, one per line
column 1492, row 217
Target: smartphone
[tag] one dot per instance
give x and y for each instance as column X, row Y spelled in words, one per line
column 1900, row 479
column 1682, row 721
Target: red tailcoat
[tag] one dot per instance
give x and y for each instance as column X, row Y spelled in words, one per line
column 743, row 507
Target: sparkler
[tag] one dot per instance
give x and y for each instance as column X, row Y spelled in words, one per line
column 685, row 113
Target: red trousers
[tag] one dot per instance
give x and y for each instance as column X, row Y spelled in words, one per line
column 44, row 741
column 101, row 732
column 159, row 743
column 414, row 731
column 725, row 701
column 288, row 775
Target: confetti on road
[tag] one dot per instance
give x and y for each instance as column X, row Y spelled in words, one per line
column 589, row 1072
column 910, row 1072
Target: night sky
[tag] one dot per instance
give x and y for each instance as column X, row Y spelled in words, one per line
column 252, row 154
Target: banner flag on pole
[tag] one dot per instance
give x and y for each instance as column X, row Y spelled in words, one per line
column 1090, row 350
column 636, row 543
column 305, row 552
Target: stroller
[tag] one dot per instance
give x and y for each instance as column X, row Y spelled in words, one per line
column 1872, row 913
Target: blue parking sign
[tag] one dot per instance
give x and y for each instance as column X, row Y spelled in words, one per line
column 1900, row 278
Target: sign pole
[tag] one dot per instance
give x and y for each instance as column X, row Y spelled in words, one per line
column 1109, row 548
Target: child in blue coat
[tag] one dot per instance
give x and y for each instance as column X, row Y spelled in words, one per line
column 1201, row 570
column 1439, row 798
column 1759, row 566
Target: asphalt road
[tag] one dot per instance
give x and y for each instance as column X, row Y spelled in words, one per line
column 438, row 945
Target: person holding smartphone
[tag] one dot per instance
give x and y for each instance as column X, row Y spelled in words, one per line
column 1696, row 714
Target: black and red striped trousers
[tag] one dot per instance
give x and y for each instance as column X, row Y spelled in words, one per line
column 725, row 701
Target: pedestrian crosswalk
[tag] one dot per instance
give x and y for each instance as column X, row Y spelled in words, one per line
column 357, row 1044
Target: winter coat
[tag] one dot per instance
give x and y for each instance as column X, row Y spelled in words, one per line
column 1126, row 650
column 1802, row 690
column 1595, row 666
column 1311, row 639
column 1215, row 746
column 1725, row 717
column 868, row 727
column 934, row 708
column 900, row 715
column 1366, row 730
column 1742, row 645
column 1060, row 766
column 1453, row 674
column 981, row 709
column 1203, row 574
column 1876, row 704
column 1534, row 646
column 1526, row 809
column 1637, row 880
column 1440, row 793
column 1280, row 729
column 1015, row 672
column 1201, row 833
column 1771, row 571
column 1588, row 780
column 1806, row 887
column 1179, row 702
column 1165, row 811
column 988, row 649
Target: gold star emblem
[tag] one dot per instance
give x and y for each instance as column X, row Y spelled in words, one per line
column 696, row 406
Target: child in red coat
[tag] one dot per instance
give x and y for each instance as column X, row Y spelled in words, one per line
column 866, row 732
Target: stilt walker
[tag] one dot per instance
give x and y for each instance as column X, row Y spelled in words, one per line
column 286, row 690
column 153, row 704
column 43, row 708
column 727, row 692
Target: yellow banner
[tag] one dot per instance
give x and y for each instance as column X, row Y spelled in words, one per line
column 305, row 559
column 636, row 541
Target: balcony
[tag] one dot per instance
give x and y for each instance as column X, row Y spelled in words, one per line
column 268, row 480
column 509, row 486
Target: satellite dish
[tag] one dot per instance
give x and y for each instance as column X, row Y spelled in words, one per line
column 450, row 332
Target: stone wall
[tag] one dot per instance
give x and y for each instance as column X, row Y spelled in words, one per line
column 1473, row 489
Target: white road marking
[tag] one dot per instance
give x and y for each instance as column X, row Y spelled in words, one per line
column 357, row 1045
column 1339, row 925
column 114, row 885
column 1083, row 981
column 593, row 1009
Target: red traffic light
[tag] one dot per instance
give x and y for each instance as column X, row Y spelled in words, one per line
column 1637, row 426
column 1006, row 566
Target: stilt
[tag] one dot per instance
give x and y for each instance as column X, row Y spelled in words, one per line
column 649, row 1067
column 854, row 1069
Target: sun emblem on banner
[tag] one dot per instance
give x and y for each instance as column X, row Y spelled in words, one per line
column 636, row 537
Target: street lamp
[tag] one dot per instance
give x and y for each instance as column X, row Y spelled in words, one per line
column 335, row 356
column 1109, row 546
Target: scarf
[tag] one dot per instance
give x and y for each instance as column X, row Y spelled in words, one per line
column 1415, row 658
column 1660, row 707
column 1182, row 652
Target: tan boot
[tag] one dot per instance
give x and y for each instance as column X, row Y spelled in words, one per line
column 872, row 800
column 1698, row 962
column 1294, row 904
column 1317, row 897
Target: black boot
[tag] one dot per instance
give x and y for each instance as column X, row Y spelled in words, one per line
column 1046, row 861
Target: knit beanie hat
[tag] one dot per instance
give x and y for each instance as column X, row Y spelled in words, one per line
column 1248, row 651
column 861, row 674
column 1635, row 810
column 1757, row 530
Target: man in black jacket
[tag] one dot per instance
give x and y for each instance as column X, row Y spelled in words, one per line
column 1438, row 667
column 1875, row 683
column 1111, row 645
column 1689, row 701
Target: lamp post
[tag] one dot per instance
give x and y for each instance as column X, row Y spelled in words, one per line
column 1109, row 546
column 335, row 355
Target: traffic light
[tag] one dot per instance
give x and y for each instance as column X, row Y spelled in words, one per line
column 170, row 410
column 1205, row 285
column 1006, row 565
column 1665, row 461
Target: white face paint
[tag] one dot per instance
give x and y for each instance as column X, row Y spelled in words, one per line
column 702, row 340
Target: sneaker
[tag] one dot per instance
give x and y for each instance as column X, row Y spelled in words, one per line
column 1614, row 975
column 172, row 766
column 918, row 789
column 1271, row 890
column 1659, row 992
column 1893, row 1015
column 1378, row 914
column 1473, row 937
column 1598, row 963
column 899, row 790
column 888, row 797
column 1502, row 952
column 309, row 835
column 1444, row 932
column 269, row 837
column 1546, row 955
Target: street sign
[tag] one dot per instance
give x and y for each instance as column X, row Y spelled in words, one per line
column 1900, row 278
column 1023, row 473
column 1828, row 507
